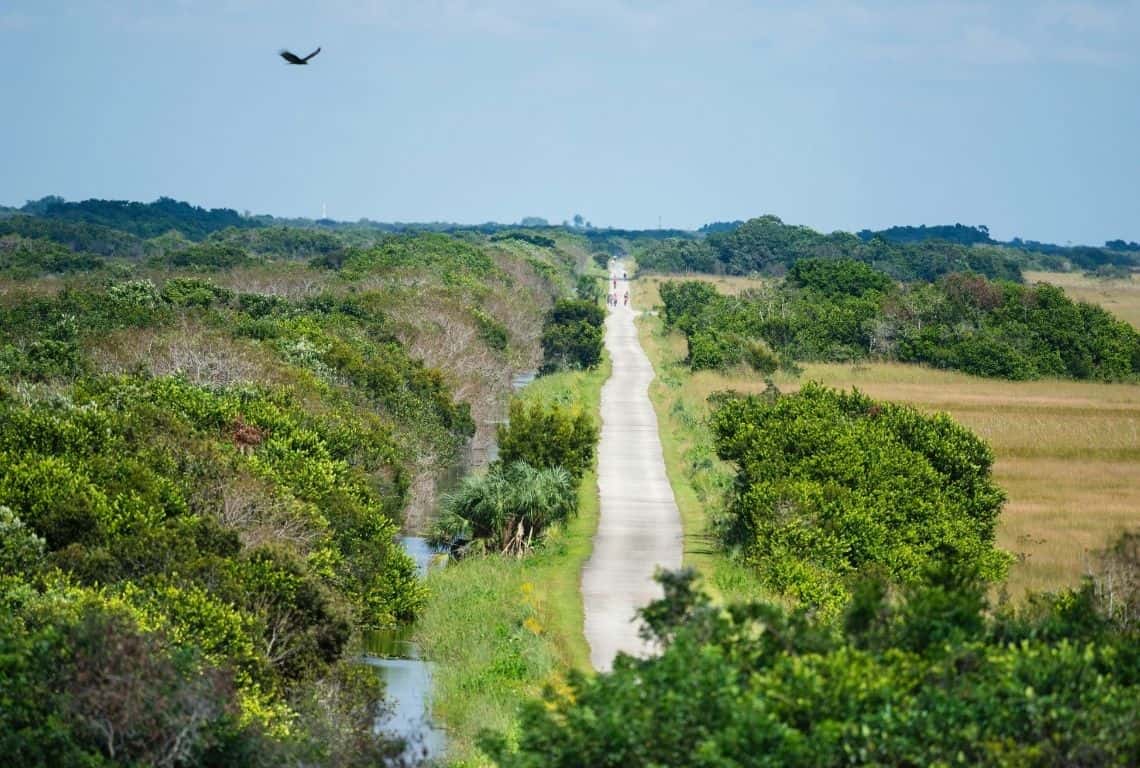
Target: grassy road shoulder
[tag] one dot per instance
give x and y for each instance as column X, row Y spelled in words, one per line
column 699, row 479
column 498, row 629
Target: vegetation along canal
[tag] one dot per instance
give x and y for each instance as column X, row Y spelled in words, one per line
column 407, row 676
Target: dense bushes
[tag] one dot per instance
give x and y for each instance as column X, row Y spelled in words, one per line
column 572, row 335
column 838, row 310
column 456, row 261
column 230, row 529
column 206, row 256
column 200, row 488
column 831, row 484
column 1015, row 332
column 117, row 481
column 926, row 679
column 23, row 258
column 77, row 236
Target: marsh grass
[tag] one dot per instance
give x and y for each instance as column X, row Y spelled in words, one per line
column 1067, row 452
column 499, row 629
column 1121, row 297
column 647, row 287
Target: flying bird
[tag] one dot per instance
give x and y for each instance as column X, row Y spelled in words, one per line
column 293, row 58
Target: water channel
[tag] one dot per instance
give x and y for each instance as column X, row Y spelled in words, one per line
column 407, row 677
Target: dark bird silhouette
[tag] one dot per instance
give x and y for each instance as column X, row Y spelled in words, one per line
column 293, row 58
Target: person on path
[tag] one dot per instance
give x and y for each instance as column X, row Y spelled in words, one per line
column 626, row 300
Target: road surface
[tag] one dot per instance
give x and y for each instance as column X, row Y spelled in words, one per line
column 639, row 528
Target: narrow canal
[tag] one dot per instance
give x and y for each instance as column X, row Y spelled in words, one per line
column 407, row 677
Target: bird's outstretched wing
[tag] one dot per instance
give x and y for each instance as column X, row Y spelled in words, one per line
column 314, row 53
column 292, row 58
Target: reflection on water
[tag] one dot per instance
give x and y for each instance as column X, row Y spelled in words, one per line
column 407, row 695
column 407, row 677
column 520, row 380
column 423, row 553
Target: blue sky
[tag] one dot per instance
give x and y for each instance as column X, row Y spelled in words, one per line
column 841, row 115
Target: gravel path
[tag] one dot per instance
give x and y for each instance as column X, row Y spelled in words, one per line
column 640, row 528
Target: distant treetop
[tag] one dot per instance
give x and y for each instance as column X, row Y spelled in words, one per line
column 719, row 226
column 951, row 233
column 142, row 219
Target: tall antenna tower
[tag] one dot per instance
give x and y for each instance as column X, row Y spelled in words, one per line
column 324, row 211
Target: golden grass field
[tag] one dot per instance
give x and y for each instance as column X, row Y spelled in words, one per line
column 646, row 288
column 1120, row 297
column 1068, row 452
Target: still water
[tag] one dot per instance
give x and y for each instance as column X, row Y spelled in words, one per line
column 407, row 677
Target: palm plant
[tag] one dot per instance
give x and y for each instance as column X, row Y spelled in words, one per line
column 507, row 507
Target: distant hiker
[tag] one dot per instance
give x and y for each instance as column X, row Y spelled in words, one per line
column 626, row 301
column 624, row 276
column 615, row 282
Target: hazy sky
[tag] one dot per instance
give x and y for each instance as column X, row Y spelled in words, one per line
column 1021, row 115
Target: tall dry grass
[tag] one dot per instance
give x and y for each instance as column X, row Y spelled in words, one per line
column 1121, row 297
column 648, row 287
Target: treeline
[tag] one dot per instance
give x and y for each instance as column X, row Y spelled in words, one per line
column 838, row 310
column 142, row 220
column 951, row 233
column 1119, row 253
column 200, row 487
column 172, row 233
column 766, row 245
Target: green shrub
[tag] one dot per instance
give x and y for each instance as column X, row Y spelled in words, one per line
column 21, row 550
column 546, row 437
column 193, row 292
column 837, row 277
column 589, row 288
column 208, row 256
column 831, row 484
column 685, row 300
column 22, row 258
column 572, row 336
column 491, row 331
